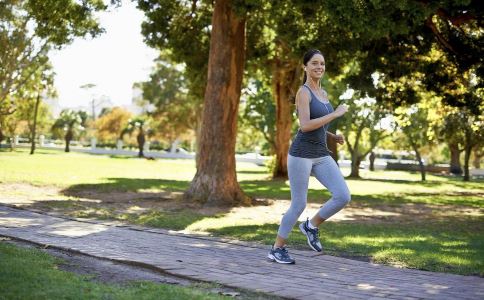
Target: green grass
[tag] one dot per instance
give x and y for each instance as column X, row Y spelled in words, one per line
column 432, row 241
column 444, row 246
column 32, row 274
column 75, row 171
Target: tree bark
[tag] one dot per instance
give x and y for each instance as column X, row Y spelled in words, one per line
column 355, row 153
column 34, row 127
column 478, row 153
column 355, row 166
column 140, row 138
column 467, row 156
column 372, row 161
column 420, row 162
column 284, row 83
column 215, row 182
column 68, row 138
column 455, row 166
column 467, row 153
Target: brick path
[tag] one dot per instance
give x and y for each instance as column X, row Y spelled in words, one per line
column 237, row 264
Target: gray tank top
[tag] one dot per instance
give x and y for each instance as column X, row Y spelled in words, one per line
column 312, row 144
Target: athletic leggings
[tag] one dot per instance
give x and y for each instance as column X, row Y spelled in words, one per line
column 327, row 172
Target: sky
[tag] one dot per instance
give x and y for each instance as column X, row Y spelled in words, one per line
column 113, row 61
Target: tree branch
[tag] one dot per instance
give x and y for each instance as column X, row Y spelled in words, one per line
column 429, row 23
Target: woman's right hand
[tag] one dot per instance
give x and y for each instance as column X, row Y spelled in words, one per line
column 341, row 110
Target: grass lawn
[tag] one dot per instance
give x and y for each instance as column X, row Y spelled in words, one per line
column 393, row 218
column 32, row 274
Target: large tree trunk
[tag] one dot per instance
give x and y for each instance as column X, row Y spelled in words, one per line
column 215, row 182
column 285, row 79
column 455, row 167
column 34, row 127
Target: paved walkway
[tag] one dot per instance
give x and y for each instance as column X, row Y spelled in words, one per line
column 237, row 264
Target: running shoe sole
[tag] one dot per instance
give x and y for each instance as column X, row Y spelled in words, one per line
column 274, row 259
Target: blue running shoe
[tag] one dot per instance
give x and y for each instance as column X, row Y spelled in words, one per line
column 280, row 255
column 312, row 236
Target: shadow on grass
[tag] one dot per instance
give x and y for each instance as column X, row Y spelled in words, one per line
column 128, row 184
column 446, row 246
column 173, row 218
column 269, row 189
column 123, row 156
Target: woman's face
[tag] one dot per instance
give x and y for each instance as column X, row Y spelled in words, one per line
column 316, row 66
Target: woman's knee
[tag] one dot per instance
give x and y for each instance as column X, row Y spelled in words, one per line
column 298, row 209
column 343, row 197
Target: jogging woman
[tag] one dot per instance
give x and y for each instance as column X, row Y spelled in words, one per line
column 309, row 155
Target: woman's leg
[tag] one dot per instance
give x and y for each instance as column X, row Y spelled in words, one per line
column 328, row 173
column 298, row 170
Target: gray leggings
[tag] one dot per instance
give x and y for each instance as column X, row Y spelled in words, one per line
column 327, row 172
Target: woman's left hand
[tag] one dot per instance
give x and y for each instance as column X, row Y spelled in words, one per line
column 340, row 139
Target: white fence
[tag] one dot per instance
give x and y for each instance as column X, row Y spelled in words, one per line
column 92, row 149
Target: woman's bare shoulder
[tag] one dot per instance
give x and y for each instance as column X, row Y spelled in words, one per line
column 303, row 93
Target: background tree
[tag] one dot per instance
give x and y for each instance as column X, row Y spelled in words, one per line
column 137, row 125
column 289, row 29
column 478, row 154
column 16, row 124
column 111, row 123
column 44, row 87
column 461, row 89
column 181, row 31
column 451, row 133
column 403, row 37
column 30, row 115
column 29, row 29
column 472, row 129
column 414, row 121
column 175, row 111
column 362, row 130
column 259, row 112
column 70, row 122
column 216, row 181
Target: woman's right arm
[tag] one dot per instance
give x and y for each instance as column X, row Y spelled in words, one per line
column 305, row 123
